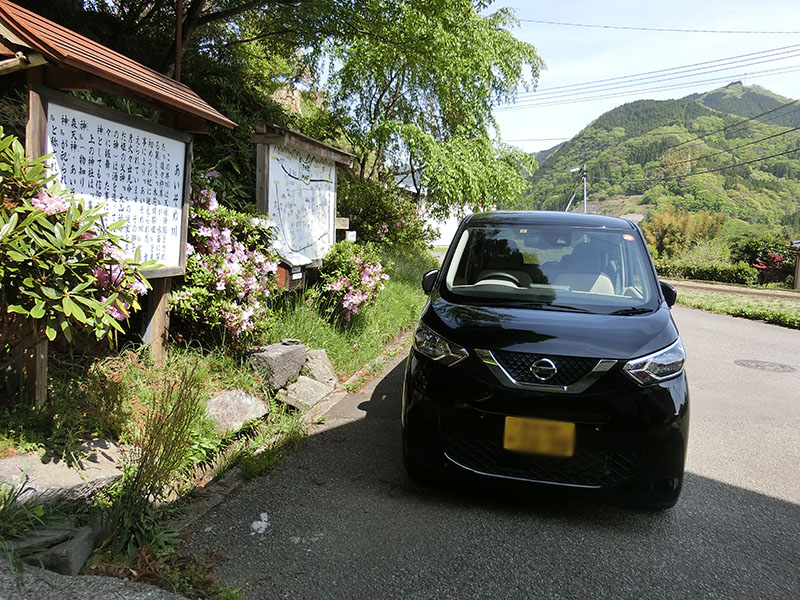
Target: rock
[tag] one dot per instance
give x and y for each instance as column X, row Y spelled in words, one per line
column 32, row 583
column 320, row 368
column 230, row 410
column 304, row 393
column 278, row 363
column 39, row 540
column 66, row 557
column 54, row 481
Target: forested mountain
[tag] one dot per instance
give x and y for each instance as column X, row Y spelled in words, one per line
column 731, row 150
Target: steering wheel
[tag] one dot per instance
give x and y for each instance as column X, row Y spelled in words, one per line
column 502, row 275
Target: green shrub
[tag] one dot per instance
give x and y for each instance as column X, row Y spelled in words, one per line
column 740, row 273
column 163, row 444
column 60, row 267
column 768, row 253
column 351, row 277
column 230, row 275
column 380, row 212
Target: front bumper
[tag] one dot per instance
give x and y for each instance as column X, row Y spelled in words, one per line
column 625, row 434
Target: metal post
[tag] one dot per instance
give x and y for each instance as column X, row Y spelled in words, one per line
column 584, row 187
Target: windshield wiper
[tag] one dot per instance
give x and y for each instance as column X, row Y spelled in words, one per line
column 637, row 310
column 547, row 306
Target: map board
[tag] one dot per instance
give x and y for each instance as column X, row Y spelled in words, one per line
column 136, row 168
column 302, row 200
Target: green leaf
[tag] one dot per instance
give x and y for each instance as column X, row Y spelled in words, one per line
column 118, row 225
column 50, row 332
column 68, row 306
column 78, row 313
column 59, row 269
column 16, row 256
column 50, row 292
column 16, row 308
column 66, row 329
column 37, row 312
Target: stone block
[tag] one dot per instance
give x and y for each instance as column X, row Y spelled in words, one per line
column 278, row 363
column 53, row 480
column 230, row 410
column 320, row 368
column 66, row 557
column 304, row 393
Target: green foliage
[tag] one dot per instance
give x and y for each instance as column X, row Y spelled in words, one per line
column 662, row 149
column 351, row 277
column 226, row 294
column 17, row 518
column 670, row 231
column 161, row 442
column 381, row 213
column 740, row 273
column 60, row 265
column 785, row 312
column 397, row 307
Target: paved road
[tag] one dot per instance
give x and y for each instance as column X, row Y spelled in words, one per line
column 339, row 518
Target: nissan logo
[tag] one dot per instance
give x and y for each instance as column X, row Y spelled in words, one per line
column 544, row 369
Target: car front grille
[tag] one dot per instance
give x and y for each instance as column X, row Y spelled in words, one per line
column 570, row 368
column 589, row 467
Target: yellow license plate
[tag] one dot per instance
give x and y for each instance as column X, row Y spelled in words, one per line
column 539, row 436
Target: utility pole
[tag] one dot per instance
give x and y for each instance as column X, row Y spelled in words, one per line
column 582, row 180
column 584, row 187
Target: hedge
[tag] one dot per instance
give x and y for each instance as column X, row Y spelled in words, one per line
column 739, row 272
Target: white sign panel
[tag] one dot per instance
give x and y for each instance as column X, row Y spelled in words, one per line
column 302, row 200
column 137, row 174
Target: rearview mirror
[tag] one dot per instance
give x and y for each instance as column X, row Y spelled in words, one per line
column 669, row 291
column 429, row 280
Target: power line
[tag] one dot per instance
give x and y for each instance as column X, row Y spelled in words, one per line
column 538, row 139
column 698, row 137
column 658, row 73
column 591, row 98
column 731, row 150
column 666, row 29
column 714, row 170
column 733, row 125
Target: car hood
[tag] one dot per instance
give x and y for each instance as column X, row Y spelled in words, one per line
column 550, row 331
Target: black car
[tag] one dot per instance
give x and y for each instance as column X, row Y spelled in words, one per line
column 547, row 353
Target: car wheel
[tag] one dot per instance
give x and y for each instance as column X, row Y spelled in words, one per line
column 415, row 469
column 660, row 495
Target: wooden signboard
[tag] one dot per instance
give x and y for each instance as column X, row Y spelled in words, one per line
column 302, row 200
column 139, row 170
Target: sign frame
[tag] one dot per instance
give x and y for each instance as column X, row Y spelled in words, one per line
column 49, row 96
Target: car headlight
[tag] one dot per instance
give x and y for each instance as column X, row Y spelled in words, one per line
column 431, row 344
column 658, row 366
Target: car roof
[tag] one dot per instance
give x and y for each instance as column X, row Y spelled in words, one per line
column 541, row 217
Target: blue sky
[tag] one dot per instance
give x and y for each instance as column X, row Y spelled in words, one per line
column 576, row 54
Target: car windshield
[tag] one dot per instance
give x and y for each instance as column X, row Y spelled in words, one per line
column 553, row 268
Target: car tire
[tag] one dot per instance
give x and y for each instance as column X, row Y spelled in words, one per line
column 660, row 495
column 415, row 469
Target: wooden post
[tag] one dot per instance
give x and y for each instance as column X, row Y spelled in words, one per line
column 262, row 175
column 796, row 284
column 156, row 319
column 33, row 364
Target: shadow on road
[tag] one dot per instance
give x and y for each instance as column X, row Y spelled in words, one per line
column 346, row 522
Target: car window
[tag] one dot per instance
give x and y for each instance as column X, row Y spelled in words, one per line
column 595, row 269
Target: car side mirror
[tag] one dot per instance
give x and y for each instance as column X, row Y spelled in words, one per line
column 669, row 291
column 429, row 279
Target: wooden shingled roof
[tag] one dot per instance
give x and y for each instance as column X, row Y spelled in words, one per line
column 61, row 46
